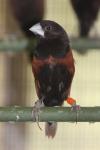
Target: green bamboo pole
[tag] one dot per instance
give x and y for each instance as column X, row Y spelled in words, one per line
column 21, row 44
column 59, row 114
column 85, row 43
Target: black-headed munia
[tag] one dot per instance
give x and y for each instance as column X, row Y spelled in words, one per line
column 27, row 13
column 52, row 66
column 87, row 13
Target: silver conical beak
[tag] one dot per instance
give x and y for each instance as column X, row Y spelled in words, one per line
column 37, row 29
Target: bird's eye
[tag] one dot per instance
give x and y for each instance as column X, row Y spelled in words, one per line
column 48, row 28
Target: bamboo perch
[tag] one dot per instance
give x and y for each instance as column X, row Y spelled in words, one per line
column 21, row 44
column 58, row 114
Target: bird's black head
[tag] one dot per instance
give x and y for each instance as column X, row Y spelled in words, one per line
column 51, row 36
column 49, row 30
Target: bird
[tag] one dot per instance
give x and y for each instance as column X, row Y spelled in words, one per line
column 53, row 67
column 27, row 13
column 86, row 12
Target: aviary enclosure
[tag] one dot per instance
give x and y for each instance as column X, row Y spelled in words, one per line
column 17, row 84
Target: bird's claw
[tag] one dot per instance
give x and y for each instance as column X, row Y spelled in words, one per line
column 75, row 107
column 36, row 110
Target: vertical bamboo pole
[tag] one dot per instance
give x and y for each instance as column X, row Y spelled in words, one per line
column 14, row 80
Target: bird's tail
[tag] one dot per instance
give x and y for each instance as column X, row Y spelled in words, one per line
column 50, row 129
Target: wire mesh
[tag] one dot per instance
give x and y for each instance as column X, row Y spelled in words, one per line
column 17, row 87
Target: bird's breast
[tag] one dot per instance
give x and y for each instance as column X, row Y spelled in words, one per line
column 51, row 61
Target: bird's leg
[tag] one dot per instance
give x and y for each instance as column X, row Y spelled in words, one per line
column 72, row 102
column 74, row 107
column 36, row 110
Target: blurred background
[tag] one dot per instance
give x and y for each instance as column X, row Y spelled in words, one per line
column 17, row 81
